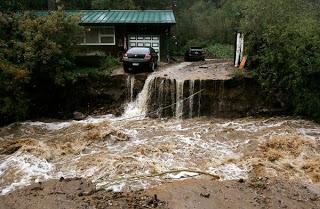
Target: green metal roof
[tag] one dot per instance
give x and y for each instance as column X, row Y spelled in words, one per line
column 121, row 16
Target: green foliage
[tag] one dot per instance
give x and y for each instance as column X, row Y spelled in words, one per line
column 238, row 74
column 13, row 78
column 111, row 4
column 47, row 46
column 109, row 65
column 283, row 39
column 13, row 100
column 76, row 4
column 14, row 5
column 36, row 56
column 131, row 4
column 207, row 21
column 220, row 50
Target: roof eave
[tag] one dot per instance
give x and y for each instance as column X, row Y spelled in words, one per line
column 123, row 23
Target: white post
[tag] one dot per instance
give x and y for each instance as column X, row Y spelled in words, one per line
column 238, row 48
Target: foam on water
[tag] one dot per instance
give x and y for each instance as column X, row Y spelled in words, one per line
column 154, row 146
column 54, row 126
column 27, row 168
column 229, row 172
column 183, row 174
column 250, row 126
column 49, row 126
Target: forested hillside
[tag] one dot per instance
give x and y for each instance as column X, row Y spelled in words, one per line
column 282, row 44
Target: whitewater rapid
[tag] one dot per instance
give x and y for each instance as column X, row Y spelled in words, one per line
column 226, row 148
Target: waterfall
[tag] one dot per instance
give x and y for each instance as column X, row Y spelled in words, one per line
column 191, row 92
column 160, row 97
column 179, row 99
column 139, row 107
column 199, row 101
column 130, row 86
column 221, row 96
column 173, row 98
column 164, row 97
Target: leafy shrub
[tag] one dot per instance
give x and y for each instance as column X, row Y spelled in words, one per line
column 13, row 99
column 220, row 50
column 36, row 55
column 48, row 45
column 283, row 39
column 109, row 64
column 238, row 74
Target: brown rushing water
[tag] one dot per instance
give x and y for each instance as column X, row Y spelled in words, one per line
column 133, row 152
column 110, row 151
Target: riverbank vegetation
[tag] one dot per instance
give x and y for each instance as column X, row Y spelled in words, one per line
column 37, row 57
column 282, row 44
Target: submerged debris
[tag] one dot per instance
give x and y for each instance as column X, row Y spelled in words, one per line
column 78, row 116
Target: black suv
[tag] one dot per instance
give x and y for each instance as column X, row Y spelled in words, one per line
column 194, row 54
column 138, row 59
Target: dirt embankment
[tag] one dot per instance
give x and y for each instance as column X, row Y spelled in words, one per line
column 263, row 193
column 89, row 94
column 75, row 194
column 205, row 194
column 209, row 88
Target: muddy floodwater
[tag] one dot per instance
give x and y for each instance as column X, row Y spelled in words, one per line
column 134, row 152
column 129, row 154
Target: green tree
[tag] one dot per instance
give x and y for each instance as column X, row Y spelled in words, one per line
column 13, row 77
column 15, row 5
column 48, row 44
column 112, row 4
column 76, row 4
column 153, row 4
column 13, row 98
column 283, row 40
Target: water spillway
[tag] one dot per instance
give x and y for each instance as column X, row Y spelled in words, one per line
column 174, row 93
column 162, row 97
column 222, row 96
column 130, row 87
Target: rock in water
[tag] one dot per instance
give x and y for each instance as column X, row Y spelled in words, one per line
column 78, row 116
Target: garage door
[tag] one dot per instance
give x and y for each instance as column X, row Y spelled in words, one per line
column 145, row 41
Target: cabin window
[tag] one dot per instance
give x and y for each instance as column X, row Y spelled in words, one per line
column 99, row 36
column 107, row 35
column 92, row 36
